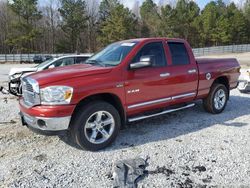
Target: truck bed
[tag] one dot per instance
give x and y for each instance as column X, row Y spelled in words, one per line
column 228, row 68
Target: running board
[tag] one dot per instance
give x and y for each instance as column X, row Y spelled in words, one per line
column 160, row 113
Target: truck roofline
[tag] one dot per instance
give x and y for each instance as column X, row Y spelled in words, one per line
column 150, row 39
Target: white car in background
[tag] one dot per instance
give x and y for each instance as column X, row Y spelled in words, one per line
column 244, row 82
column 16, row 74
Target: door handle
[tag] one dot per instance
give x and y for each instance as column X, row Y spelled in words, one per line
column 164, row 74
column 192, row 71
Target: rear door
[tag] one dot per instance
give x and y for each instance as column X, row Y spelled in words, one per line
column 183, row 72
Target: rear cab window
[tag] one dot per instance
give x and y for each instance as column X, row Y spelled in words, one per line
column 179, row 53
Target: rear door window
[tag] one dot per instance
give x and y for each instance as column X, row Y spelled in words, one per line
column 179, row 53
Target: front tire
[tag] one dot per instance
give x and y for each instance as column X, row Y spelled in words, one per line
column 96, row 125
column 217, row 99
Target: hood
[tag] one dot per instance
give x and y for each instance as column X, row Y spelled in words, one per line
column 68, row 72
column 22, row 70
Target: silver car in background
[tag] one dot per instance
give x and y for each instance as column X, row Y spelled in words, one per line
column 244, row 82
column 16, row 74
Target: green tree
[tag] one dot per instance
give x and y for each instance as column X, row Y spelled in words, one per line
column 221, row 34
column 150, row 18
column 208, row 19
column 184, row 15
column 167, row 22
column 106, row 7
column 247, row 10
column 119, row 25
column 208, row 23
column 238, row 25
column 247, row 16
column 74, row 18
column 24, row 29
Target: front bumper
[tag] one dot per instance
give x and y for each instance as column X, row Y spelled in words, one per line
column 46, row 124
column 15, row 86
column 46, row 118
column 244, row 85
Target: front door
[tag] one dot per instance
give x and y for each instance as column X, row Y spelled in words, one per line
column 148, row 87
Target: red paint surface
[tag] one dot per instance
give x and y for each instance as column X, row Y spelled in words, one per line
column 89, row 80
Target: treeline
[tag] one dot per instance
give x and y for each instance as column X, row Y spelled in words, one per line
column 66, row 26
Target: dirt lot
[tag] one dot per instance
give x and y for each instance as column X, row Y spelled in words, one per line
column 188, row 148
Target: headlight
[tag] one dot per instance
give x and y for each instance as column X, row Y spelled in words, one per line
column 56, row 95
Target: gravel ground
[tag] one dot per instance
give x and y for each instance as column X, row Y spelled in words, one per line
column 189, row 148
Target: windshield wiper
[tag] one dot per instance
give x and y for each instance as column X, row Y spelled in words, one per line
column 96, row 62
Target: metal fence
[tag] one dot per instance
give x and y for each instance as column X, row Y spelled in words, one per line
column 197, row 52
column 221, row 50
column 25, row 57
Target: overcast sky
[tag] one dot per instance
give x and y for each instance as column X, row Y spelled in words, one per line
column 130, row 3
column 201, row 3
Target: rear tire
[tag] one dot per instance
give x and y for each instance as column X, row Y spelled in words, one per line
column 217, row 98
column 96, row 125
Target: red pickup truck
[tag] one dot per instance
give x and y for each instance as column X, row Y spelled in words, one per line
column 125, row 82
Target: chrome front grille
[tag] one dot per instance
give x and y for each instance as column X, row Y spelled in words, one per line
column 29, row 87
column 30, row 90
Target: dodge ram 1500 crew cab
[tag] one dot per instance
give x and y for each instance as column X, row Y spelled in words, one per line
column 125, row 82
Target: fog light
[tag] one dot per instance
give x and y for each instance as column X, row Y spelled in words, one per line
column 41, row 123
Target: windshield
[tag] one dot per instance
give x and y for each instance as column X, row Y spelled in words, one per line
column 112, row 55
column 44, row 63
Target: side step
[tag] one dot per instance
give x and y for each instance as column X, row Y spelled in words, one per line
column 160, row 113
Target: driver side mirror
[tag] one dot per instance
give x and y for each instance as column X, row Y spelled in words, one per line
column 145, row 61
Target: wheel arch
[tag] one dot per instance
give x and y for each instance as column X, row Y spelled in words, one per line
column 222, row 80
column 208, row 102
column 107, row 97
